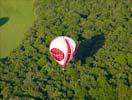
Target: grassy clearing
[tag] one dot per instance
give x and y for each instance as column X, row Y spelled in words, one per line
column 19, row 15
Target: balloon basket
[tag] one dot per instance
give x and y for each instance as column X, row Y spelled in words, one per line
column 63, row 68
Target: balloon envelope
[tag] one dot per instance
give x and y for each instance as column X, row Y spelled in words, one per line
column 62, row 49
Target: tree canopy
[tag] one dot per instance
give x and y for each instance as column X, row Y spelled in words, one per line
column 102, row 68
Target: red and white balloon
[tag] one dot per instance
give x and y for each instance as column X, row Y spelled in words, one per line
column 62, row 49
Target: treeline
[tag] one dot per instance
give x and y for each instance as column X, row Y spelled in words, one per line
column 102, row 68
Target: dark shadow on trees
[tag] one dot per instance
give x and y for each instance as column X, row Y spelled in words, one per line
column 88, row 47
column 3, row 20
column 28, row 96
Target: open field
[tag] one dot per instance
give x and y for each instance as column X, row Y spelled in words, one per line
column 16, row 16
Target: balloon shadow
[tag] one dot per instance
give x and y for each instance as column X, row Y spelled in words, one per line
column 88, row 47
column 3, row 20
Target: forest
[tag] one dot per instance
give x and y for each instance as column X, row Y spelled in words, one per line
column 102, row 67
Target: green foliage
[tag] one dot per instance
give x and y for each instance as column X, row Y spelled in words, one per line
column 101, row 69
column 103, row 91
column 120, row 59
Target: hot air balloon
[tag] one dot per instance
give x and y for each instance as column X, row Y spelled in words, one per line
column 62, row 50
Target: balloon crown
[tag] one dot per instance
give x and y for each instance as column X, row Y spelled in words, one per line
column 62, row 49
